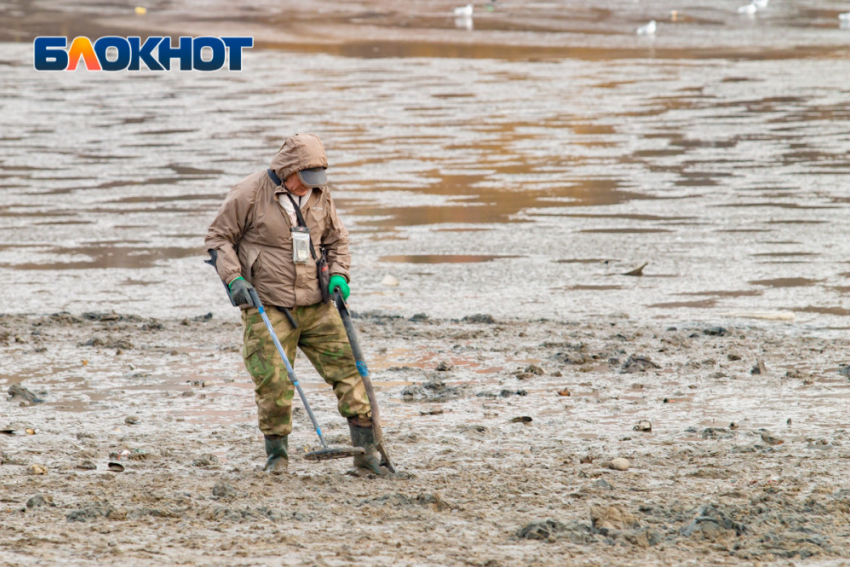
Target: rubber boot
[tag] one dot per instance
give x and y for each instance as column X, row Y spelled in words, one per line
column 371, row 459
column 277, row 449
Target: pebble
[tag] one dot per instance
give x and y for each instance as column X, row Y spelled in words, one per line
column 619, row 464
column 389, row 281
column 643, row 425
column 132, row 420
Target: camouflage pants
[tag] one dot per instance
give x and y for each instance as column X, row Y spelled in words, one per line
column 321, row 336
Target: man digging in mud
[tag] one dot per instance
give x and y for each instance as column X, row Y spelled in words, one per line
column 260, row 243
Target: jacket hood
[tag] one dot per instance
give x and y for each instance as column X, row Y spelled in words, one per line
column 301, row 151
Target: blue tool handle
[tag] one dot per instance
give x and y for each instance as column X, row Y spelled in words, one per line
column 289, row 370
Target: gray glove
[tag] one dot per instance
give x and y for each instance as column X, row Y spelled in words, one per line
column 239, row 291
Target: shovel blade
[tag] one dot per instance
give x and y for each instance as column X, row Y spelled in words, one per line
column 334, row 453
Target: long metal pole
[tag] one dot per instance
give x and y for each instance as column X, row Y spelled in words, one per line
column 363, row 370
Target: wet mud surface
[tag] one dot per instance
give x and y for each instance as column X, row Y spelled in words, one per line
column 508, row 434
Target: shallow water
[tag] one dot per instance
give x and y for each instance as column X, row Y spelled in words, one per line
column 552, row 177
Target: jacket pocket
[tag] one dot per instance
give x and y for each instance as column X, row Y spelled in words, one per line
column 253, row 264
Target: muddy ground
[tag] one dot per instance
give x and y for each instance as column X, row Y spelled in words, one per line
column 746, row 458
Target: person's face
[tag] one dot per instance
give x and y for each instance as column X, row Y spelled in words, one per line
column 294, row 186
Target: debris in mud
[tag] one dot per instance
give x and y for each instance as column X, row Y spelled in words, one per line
column 108, row 342
column 418, row 318
column 541, row 529
column 733, row 426
column 733, row 357
column 40, row 500
column 636, row 364
column 759, row 368
column 606, row 518
column 224, row 491
column 603, row 484
column 23, row 395
column 205, row 460
column 431, row 391
column 643, row 425
column 444, row 366
column 203, row 318
column 110, row 316
column 115, row 467
column 586, row 460
column 389, row 281
column 844, row 370
column 521, row 419
column 619, row 464
column 770, row 439
column 86, row 465
column 713, row 524
column 529, row 371
column 132, row 420
column 637, row 271
column 434, row 501
column 715, row 331
column 564, row 392
column 431, row 412
column 92, row 511
column 717, row 433
column 36, row 469
column 479, row 318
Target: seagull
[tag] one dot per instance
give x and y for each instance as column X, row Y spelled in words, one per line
column 748, row 9
column 845, row 17
column 648, row 29
column 760, row 4
column 464, row 11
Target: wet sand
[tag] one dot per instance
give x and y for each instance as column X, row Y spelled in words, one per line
column 737, row 466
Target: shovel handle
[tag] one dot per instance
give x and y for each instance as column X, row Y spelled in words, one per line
column 363, row 370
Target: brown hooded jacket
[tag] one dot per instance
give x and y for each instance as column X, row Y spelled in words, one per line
column 252, row 231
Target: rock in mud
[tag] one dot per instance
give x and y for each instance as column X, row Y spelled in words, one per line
column 23, row 395
column 40, row 500
column 132, row 420
column 431, row 391
column 844, row 371
column 541, row 529
column 717, row 433
column 90, row 512
column 522, row 419
column 389, row 281
column 715, row 331
column 444, row 366
column 713, row 524
column 759, row 368
column 86, row 465
column 36, row 469
column 643, row 538
column 636, row 364
column 619, row 464
column 643, row 425
column 108, row 342
column 479, row 318
column 205, row 460
column 224, row 491
column 616, row 517
column 770, row 439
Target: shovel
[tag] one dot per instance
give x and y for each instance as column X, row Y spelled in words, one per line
column 325, row 453
column 364, row 374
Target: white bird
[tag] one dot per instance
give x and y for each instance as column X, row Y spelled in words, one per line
column 647, row 29
column 748, row 9
column 760, row 4
column 464, row 11
column 845, row 17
